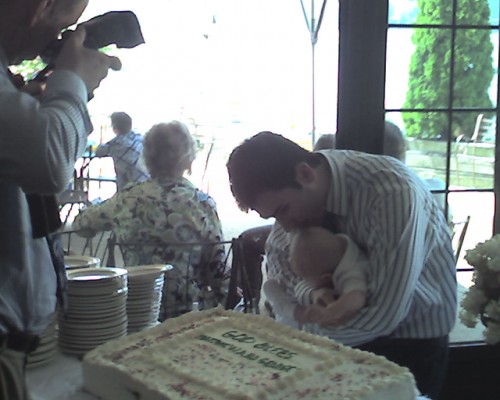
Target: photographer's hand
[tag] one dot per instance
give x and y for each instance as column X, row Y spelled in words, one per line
column 91, row 65
column 32, row 88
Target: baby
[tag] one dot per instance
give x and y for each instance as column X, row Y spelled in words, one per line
column 334, row 267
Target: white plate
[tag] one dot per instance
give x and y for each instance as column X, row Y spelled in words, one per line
column 72, row 262
column 95, row 274
column 148, row 271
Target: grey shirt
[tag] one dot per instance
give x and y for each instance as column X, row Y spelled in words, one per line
column 40, row 141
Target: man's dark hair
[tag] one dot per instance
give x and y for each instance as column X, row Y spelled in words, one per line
column 265, row 162
column 121, row 122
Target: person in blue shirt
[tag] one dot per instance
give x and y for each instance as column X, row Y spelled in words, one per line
column 126, row 151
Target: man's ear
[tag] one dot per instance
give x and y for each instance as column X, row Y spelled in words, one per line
column 39, row 10
column 304, row 173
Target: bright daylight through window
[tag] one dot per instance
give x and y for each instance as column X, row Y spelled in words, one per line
column 229, row 70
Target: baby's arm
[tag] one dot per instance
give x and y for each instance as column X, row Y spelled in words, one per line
column 312, row 314
column 322, row 296
column 335, row 313
column 344, row 308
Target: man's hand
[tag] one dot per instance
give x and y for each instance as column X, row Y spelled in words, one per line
column 32, row 88
column 91, row 65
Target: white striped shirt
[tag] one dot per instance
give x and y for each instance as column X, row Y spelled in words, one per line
column 389, row 212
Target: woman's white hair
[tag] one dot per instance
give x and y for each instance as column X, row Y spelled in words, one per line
column 168, row 149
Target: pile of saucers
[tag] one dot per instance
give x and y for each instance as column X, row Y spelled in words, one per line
column 72, row 262
column 97, row 309
column 47, row 348
column 145, row 285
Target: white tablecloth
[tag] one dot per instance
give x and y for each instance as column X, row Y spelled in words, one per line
column 61, row 379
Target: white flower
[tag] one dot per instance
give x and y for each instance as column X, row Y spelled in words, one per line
column 493, row 310
column 468, row 319
column 494, row 264
column 474, row 300
column 492, row 333
column 473, row 257
column 483, row 298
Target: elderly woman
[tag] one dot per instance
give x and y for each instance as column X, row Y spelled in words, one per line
column 167, row 220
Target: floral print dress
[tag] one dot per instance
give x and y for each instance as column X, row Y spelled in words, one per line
column 169, row 221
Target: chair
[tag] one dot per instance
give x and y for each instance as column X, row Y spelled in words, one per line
column 71, row 201
column 245, row 254
column 484, row 130
column 97, row 246
column 248, row 255
column 188, row 259
column 459, row 230
column 75, row 197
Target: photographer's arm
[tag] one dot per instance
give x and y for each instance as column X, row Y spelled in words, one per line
column 43, row 137
column 46, row 135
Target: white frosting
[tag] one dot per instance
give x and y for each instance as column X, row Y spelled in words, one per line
column 220, row 354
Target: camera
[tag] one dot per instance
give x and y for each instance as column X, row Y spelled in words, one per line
column 121, row 28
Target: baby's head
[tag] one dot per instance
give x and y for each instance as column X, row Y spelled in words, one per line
column 315, row 253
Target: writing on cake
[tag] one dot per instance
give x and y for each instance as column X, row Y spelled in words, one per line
column 250, row 340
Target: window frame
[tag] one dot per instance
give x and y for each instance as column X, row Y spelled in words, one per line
column 363, row 24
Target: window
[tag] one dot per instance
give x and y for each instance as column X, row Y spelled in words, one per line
column 228, row 68
column 434, row 72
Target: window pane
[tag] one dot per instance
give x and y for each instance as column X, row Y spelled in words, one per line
column 426, row 125
column 429, row 68
column 428, row 159
column 471, row 157
column 493, row 90
column 425, row 156
column 473, row 69
column 477, row 12
column 480, row 207
column 408, row 12
column 400, row 49
column 473, row 154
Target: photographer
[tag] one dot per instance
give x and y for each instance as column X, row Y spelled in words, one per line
column 40, row 139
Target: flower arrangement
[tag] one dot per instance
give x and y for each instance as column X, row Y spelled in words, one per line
column 482, row 301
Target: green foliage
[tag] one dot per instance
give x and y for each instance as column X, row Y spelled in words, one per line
column 28, row 68
column 431, row 69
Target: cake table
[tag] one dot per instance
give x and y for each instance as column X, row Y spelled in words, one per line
column 62, row 379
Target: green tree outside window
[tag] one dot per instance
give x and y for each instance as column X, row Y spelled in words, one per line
column 430, row 67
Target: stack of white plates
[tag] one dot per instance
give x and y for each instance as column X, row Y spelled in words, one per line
column 97, row 309
column 145, row 285
column 47, row 348
column 72, row 262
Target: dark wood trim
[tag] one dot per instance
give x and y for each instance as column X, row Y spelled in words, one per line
column 473, row 372
column 361, row 88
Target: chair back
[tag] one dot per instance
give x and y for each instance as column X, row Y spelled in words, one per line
column 458, row 235
column 199, row 278
column 246, row 272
